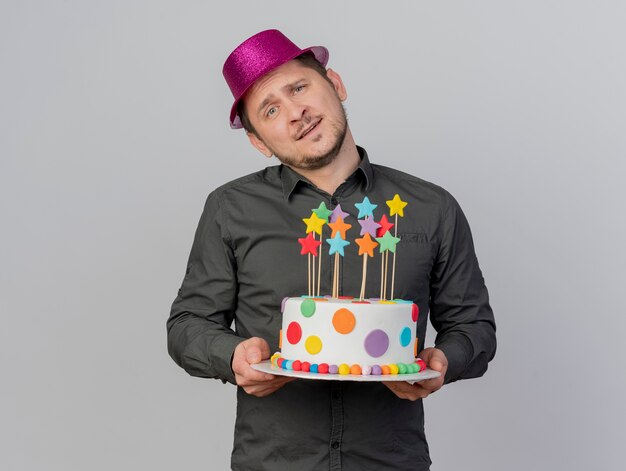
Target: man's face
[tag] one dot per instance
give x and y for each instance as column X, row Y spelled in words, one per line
column 298, row 116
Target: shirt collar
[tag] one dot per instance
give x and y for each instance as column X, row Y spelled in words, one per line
column 290, row 178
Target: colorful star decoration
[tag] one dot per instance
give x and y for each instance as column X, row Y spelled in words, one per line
column 337, row 244
column 366, row 245
column 309, row 244
column 314, row 224
column 388, row 242
column 366, row 208
column 322, row 212
column 385, row 225
column 368, row 226
column 396, row 206
column 339, row 227
column 338, row 213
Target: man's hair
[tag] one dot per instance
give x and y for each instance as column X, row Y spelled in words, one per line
column 308, row 60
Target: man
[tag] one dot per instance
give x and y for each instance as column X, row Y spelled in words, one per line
column 245, row 259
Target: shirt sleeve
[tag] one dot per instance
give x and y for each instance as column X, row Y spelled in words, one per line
column 199, row 334
column 459, row 301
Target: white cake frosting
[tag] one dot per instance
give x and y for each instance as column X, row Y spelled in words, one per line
column 346, row 331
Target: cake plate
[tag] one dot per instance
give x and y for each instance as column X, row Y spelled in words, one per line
column 267, row 367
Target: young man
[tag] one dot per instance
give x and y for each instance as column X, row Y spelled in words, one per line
column 243, row 262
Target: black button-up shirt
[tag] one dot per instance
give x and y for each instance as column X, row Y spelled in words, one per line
column 246, row 258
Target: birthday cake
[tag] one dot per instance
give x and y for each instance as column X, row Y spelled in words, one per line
column 345, row 335
column 348, row 336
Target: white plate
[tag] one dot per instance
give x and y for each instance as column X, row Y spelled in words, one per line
column 267, row 367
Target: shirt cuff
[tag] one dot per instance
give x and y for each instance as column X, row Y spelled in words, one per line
column 458, row 350
column 225, row 345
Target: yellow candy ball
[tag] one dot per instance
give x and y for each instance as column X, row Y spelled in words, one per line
column 393, row 369
column 344, row 369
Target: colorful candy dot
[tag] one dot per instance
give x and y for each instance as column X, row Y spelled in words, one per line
column 307, row 308
column 297, row 365
column 377, row 370
column 414, row 368
column 322, row 368
column 402, row 368
column 274, row 358
column 405, row 337
column 313, row 368
column 333, row 369
column 344, row 321
column 294, row 333
column 393, row 369
column 313, row 344
column 366, row 370
column 356, row 370
column 306, row 366
column 287, row 364
column 376, row 343
column 421, row 363
column 280, row 362
column 385, row 369
column 415, row 311
column 384, row 301
column 344, row 369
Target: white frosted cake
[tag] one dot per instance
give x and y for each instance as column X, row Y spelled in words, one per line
column 348, row 336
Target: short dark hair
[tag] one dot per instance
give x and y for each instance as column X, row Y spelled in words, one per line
column 308, row 60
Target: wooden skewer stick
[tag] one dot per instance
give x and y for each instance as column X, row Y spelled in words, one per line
column 319, row 269
column 313, row 273
column 364, row 276
column 386, row 272
column 393, row 269
column 382, row 271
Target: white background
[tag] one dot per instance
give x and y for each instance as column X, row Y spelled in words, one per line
column 113, row 122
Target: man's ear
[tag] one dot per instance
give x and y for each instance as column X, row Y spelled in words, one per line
column 259, row 144
column 340, row 88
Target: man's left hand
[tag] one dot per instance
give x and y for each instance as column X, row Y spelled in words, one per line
column 435, row 360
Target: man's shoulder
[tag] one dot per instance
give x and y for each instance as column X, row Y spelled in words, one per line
column 266, row 176
column 408, row 182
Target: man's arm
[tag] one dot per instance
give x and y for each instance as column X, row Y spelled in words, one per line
column 459, row 302
column 200, row 338
column 199, row 335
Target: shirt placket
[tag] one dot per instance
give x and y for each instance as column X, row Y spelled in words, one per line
column 336, row 428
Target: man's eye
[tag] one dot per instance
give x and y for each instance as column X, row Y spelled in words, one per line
column 298, row 89
column 271, row 111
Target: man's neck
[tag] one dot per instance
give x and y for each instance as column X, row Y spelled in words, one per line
column 329, row 178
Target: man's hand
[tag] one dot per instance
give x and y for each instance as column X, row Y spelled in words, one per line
column 436, row 360
column 254, row 382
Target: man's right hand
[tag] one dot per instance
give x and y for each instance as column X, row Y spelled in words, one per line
column 249, row 352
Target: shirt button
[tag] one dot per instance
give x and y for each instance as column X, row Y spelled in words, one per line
column 335, row 445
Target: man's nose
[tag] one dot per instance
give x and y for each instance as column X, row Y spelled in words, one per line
column 297, row 111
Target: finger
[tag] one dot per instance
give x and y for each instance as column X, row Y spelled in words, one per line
column 431, row 385
column 247, row 375
column 264, row 389
column 244, row 372
column 406, row 390
column 436, row 363
column 256, row 349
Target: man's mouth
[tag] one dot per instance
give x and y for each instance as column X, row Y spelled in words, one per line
column 308, row 129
